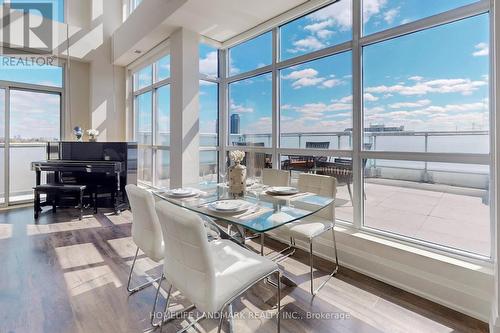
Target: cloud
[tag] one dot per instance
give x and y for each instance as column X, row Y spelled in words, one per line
column 37, row 115
column 420, row 103
column 336, row 15
column 309, row 77
column 238, row 108
column 370, row 98
column 415, row 78
column 390, row 15
column 374, row 110
column 332, row 83
column 449, row 117
column 325, row 34
column 312, row 125
column 304, row 73
column 482, row 49
column 263, row 125
column 441, row 86
column 346, row 99
column 209, row 64
column 466, row 107
column 307, row 44
column 371, row 8
column 304, row 78
column 318, row 26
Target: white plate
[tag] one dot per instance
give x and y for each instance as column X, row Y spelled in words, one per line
column 181, row 192
column 228, row 206
column 282, row 190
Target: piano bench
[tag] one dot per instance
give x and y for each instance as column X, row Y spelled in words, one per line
column 56, row 189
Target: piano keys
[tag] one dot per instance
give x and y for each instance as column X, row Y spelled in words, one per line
column 104, row 167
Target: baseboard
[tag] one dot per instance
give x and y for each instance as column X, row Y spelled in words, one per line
column 464, row 288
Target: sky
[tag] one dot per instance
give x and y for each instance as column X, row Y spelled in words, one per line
column 433, row 80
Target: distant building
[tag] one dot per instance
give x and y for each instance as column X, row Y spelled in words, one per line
column 235, row 124
column 380, row 128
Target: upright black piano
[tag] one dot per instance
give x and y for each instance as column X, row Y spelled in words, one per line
column 104, row 167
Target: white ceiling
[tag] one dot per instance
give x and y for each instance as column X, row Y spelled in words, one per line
column 223, row 19
column 220, row 20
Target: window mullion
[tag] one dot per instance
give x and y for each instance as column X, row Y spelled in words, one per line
column 357, row 131
column 275, row 129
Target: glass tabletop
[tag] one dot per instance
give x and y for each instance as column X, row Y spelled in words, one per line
column 261, row 211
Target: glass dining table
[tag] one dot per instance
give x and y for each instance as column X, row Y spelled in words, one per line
column 263, row 212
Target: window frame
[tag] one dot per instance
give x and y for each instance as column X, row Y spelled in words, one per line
column 216, row 80
column 7, row 86
column 357, row 153
column 153, row 88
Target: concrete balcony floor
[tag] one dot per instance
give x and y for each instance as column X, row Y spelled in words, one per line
column 451, row 216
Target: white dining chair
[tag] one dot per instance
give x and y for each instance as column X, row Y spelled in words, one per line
column 146, row 230
column 273, row 177
column 317, row 224
column 210, row 274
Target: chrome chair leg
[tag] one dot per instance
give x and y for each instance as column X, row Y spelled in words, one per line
column 230, row 317
column 311, row 263
column 142, row 286
column 167, row 301
column 279, row 300
column 291, row 248
column 221, row 320
column 229, row 304
column 165, row 319
column 192, row 324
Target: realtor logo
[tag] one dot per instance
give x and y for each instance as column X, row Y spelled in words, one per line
column 27, row 26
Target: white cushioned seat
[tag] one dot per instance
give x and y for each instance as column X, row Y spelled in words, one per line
column 236, row 269
column 307, row 228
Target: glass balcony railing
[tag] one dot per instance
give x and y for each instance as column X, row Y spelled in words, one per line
column 21, row 178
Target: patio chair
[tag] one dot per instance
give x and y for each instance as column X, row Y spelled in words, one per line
column 306, row 163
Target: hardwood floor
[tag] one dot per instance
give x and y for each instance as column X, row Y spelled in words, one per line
column 65, row 275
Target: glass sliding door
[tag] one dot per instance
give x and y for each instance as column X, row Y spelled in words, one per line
column 34, row 119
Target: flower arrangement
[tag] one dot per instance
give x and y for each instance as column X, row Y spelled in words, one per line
column 78, row 133
column 237, row 156
column 93, row 134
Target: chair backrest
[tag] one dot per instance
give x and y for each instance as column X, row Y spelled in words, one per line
column 322, row 185
column 318, row 145
column 188, row 264
column 273, row 177
column 146, row 231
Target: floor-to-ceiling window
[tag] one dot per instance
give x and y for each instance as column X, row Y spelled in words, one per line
column 391, row 98
column 431, row 90
column 151, row 87
column 209, row 111
column 30, row 115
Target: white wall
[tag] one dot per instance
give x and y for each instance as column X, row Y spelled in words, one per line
column 78, row 106
column 107, row 82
